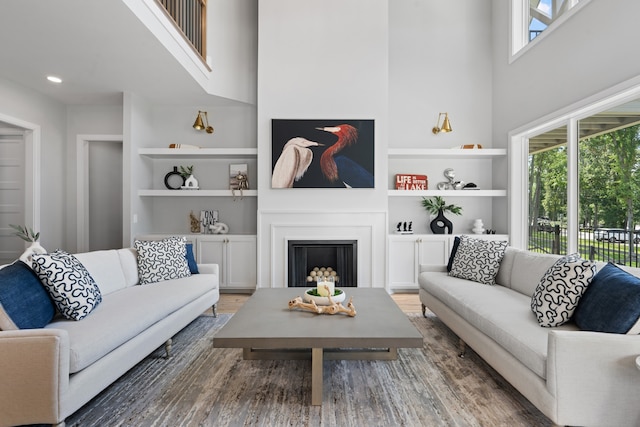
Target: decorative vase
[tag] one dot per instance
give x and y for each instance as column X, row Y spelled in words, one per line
column 191, row 183
column 440, row 224
column 478, row 226
column 34, row 248
column 173, row 180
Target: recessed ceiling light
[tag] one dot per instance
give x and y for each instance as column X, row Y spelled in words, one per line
column 54, row 79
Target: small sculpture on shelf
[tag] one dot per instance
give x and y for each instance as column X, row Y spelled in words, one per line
column 194, row 223
column 404, row 227
column 190, row 181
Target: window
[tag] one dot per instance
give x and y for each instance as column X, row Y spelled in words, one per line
column 583, row 186
column 531, row 18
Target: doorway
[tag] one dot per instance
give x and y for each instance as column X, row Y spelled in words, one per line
column 19, row 183
column 99, row 192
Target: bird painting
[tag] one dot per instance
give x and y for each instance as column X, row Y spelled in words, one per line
column 342, row 168
column 322, row 153
column 293, row 162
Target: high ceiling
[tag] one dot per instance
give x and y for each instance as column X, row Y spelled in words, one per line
column 98, row 47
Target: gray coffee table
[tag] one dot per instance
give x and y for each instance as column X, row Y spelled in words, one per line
column 265, row 328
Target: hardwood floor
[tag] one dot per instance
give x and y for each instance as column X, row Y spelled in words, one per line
column 230, row 303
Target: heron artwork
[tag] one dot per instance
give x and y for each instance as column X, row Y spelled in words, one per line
column 322, row 153
column 293, row 162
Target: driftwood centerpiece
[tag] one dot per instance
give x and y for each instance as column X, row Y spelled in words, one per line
column 332, row 308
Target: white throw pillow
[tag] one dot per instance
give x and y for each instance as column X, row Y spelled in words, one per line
column 557, row 295
column 73, row 290
column 160, row 260
column 478, row 259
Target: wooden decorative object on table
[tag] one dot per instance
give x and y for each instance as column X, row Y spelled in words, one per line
column 332, row 308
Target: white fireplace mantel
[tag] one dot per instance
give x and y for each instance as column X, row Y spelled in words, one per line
column 277, row 228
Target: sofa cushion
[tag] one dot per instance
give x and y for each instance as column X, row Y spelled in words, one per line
column 129, row 264
column 191, row 260
column 478, row 259
column 126, row 313
column 73, row 290
column 24, row 302
column 558, row 292
column 160, row 260
column 611, row 303
column 527, row 270
column 105, row 268
column 500, row 313
column 454, row 250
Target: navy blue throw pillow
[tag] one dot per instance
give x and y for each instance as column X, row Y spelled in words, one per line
column 611, row 303
column 191, row 260
column 456, row 243
column 23, row 298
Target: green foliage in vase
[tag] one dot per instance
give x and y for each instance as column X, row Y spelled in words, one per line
column 26, row 234
column 186, row 171
column 433, row 205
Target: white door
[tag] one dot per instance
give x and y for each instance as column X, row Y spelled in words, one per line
column 12, row 192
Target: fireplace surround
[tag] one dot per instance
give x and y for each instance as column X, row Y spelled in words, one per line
column 304, row 255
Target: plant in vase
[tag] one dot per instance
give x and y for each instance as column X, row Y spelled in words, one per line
column 437, row 206
column 28, row 235
column 190, row 181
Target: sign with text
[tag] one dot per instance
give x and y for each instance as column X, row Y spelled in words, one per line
column 411, row 182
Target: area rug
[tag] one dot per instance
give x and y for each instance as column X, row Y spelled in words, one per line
column 205, row 386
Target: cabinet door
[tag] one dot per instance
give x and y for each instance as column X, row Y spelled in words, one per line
column 241, row 262
column 434, row 250
column 403, row 262
column 212, row 251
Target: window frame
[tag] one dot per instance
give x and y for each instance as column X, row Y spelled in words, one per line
column 519, row 42
column 518, row 149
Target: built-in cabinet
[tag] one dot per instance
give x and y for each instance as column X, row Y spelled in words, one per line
column 235, row 253
column 236, row 257
column 408, row 251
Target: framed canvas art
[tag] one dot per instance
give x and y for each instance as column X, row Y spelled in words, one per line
column 322, row 153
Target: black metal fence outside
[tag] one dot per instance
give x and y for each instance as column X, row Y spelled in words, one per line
column 553, row 239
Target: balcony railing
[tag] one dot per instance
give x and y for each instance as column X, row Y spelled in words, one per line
column 190, row 16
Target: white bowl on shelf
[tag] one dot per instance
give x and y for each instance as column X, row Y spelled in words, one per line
column 324, row 300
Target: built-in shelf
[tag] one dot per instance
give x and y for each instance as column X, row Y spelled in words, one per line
column 196, row 193
column 445, row 153
column 198, row 153
column 447, row 193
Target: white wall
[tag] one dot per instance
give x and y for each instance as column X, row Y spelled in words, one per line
column 232, row 46
column 85, row 120
column 27, row 105
column 321, row 60
column 439, row 61
column 591, row 52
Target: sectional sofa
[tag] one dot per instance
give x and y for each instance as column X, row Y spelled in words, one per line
column 574, row 376
column 50, row 372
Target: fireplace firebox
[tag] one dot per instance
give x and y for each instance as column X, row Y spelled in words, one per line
column 305, row 255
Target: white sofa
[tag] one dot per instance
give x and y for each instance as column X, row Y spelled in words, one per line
column 49, row 373
column 574, row 377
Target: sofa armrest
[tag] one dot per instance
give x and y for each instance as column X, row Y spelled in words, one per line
column 209, row 269
column 34, row 375
column 594, row 375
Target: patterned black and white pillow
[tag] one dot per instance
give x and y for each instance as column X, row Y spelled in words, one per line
column 160, row 260
column 71, row 287
column 478, row 259
column 557, row 295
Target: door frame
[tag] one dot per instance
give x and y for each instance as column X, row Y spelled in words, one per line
column 32, row 138
column 82, row 189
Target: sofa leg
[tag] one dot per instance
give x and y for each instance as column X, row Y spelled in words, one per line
column 424, row 310
column 462, row 348
column 214, row 307
column 167, row 347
